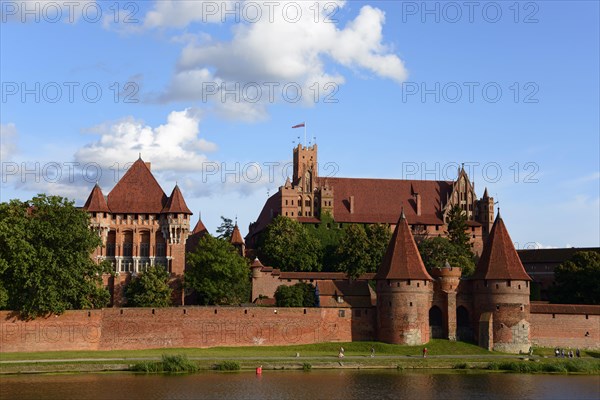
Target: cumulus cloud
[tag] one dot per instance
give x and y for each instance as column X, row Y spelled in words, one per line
column 8, row 141
column 174, row 145
column 280, row 57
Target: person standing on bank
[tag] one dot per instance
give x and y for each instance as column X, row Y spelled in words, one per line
column 424, row 352
column 372, row 351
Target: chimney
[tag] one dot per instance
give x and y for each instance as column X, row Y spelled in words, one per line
column 148, row 165
column 351, row 204
column 418, row 201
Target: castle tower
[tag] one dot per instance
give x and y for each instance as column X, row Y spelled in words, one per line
column 486, row 213
column 100, row 218
column 237, row 241
column 447, row 279
column 326, row 196
column 305, row 179
column 501, row 294
column 175, row 218
column 404, row 291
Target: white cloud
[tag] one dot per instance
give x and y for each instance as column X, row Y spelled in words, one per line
column 172, row 146
column 264, row 56
column 179, row 14
column 8, row 141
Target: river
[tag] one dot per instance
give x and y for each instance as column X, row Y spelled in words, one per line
column 313, row 385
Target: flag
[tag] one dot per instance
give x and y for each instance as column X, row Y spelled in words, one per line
column 298, row 126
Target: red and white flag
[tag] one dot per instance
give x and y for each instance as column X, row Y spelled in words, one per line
column 298, row 126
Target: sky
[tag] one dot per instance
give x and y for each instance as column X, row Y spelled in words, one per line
column 207, row 91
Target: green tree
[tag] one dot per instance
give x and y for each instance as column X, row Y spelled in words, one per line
column 577, row 280
column 457, row 228
column 328, row 235
column 353, row 251
column 45, row 263
column 225, row 230
column 218, row 273
column 379, row 236
column 436, row 251
column 287, row 245
column 299, row 295
column 150, row 289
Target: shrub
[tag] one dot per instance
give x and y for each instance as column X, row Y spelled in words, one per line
column 228, row 366
column 462, row 365
column 306, row 367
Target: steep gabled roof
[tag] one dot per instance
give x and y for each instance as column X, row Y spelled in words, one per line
column 402, row 259
column 137, row 192
column 236, row 236
column 499, row 259
column 176, row 203
column 199, row 228
column 380, row 200
column 96, row 201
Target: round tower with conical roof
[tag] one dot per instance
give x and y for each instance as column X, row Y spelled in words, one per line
column 446, row 283
column 404, row 291
column 501, row 295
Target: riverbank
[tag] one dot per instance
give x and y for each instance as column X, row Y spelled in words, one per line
column 442, row 354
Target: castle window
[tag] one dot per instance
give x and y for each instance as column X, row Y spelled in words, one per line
column 286, row 213
column 553, row 315
column 497, row 286
column 292, row 213
column 437, row 227
column 418, row 284
column 587, row 316
column 411, row 303
column 408, row 282
column 508, row 283
column 522, row 309
column 286, row 202
column 519, row 287
column 398, row 284
column 497, row 307
column 341, row 313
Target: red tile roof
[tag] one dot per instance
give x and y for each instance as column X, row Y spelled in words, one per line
column 137, row 192
column 176, row 203
column 499, row 259
column 256, row 263
column 380, row 200
column 96, row 201
column 199, row 228
column 402, row 259
column 236, row 236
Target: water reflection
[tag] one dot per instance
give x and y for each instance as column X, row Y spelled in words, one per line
column 335, row 384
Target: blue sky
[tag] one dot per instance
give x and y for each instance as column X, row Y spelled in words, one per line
column 389, row 89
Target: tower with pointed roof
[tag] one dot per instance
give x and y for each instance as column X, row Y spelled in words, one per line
column 486, row 213
column 140, row 226
column 237, row 241
column 501, row 294
column 404, row 291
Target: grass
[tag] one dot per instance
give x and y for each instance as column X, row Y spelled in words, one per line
column 169, row 363
column 435, row 347
column 562, row 366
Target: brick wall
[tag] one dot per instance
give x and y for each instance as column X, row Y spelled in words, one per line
column 565, row 330
column 145, row 328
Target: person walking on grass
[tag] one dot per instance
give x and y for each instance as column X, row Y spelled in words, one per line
column 424, row 352
column 372, row 351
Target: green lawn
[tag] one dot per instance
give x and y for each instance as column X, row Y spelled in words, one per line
column 434, row 347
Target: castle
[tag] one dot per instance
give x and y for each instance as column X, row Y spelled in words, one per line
column 140, row 226
column 307, row 197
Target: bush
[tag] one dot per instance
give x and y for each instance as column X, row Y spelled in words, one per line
column 306, row 367
column 462, row 365
column 171, row 364
column 228, row 366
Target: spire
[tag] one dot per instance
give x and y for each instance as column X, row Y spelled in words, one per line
column 499, row 259
column 256, row 263
column 199, row 228
column 176, row 203
column 402, row 259
column 96, row 201
column 236, row 236
column 485, row 194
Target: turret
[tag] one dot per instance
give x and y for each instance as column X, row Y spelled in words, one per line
column 447, row 279
column 501, row 294
column 485, row 213
column 404, row 291
column 237, row 241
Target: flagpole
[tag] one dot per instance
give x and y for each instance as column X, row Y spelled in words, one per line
column 304, row 133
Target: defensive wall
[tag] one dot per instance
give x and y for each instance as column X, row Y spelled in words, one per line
column 176, row 327
column 145, row 328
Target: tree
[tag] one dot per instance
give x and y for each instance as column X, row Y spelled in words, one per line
column 45, row 263
column 361, row 250
column 287, row 245
column 577, row 280
column 436, row 251
column 217, row 272
column 150, row 289
column 353, row 251
column 457, row 228
column 328, row 235
column 299, row 295
column 225, row 230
